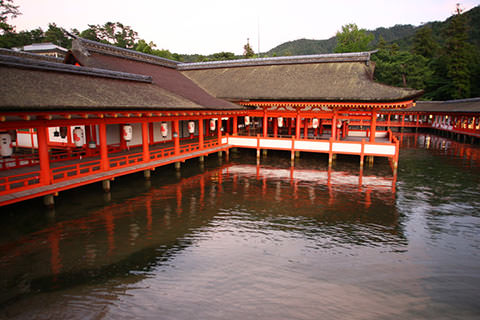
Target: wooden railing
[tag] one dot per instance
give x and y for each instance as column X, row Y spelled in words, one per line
column 19, row 182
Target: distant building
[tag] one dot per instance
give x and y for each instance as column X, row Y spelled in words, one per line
column 45, row 49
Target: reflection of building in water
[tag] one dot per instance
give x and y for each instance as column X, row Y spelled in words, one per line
column 163, row 217
column 471, row 153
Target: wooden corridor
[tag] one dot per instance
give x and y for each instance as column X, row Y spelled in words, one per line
column 24, row 183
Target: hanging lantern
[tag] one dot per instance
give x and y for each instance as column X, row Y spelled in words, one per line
column 314, row 123
column 5, row 144
column 280, row 122
column 164, row 129
column 247, row 120
column 127, row 132
column 212, row 124
column 191, row 127
column 78, row 136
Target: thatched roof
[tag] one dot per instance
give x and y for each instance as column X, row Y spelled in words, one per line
column 458, row 106
column 164, row 72
column 40, row 85
column 461, row 105
column 330, row 77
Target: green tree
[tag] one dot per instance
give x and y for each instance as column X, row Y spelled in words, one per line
column 458, row 56
column 7, row 11
column 145, row 47
column 248, row 51
column 352, row 39
column 57, row 36
column 402, row 68
column 222, row 56
column 423, row 42
column 114, row 33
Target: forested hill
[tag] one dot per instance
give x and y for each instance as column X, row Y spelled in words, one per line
column 402, row 35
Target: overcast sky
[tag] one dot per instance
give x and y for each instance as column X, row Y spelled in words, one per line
column 209, row 26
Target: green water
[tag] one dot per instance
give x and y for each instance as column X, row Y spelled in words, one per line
column 232, row 240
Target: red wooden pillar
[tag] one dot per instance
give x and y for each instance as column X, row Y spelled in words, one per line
column 235, row 125
column 123, row 142
column 229, row 127
column 102, row 131
column 297, row 127
column 290, row 123
column 275, row 127
column 305, row 129
column 150, row 133
column 373, row 126
column 42, row 135
column 88, row 139
column 200, row 133
column 176, row 137
column 403, row 120
column 265, row 123
column 145, row 134
column 334, row 126
column 219, row 130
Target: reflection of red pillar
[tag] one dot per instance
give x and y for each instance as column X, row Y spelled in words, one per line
column 329, row 185
column 45, row 176
column 55, row 260
column 110, row 227
column 148, row 204
column 179, row 200
column 202, row 191
column 368, row 198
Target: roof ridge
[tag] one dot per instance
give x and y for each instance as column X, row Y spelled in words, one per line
column 315, row 58
column 29, row 55
column 20, row 62
column 125, row 53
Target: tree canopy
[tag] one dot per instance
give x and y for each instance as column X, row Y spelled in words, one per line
column 352, row 39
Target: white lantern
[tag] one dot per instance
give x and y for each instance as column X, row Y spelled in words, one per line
column 5, row 144
column 315, row 123
column 127, row 132
column 280, row 122
column 164, row 129
column 212, row 125
column 191, row 127
column 78, row 136
column 247, row 120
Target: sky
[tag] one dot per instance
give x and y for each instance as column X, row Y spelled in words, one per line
column 209, row 26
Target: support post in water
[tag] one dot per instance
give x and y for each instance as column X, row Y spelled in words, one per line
column 106, row 185
column 177, row 165
column 49, row 201
column 147, row 174
column 201, row 159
